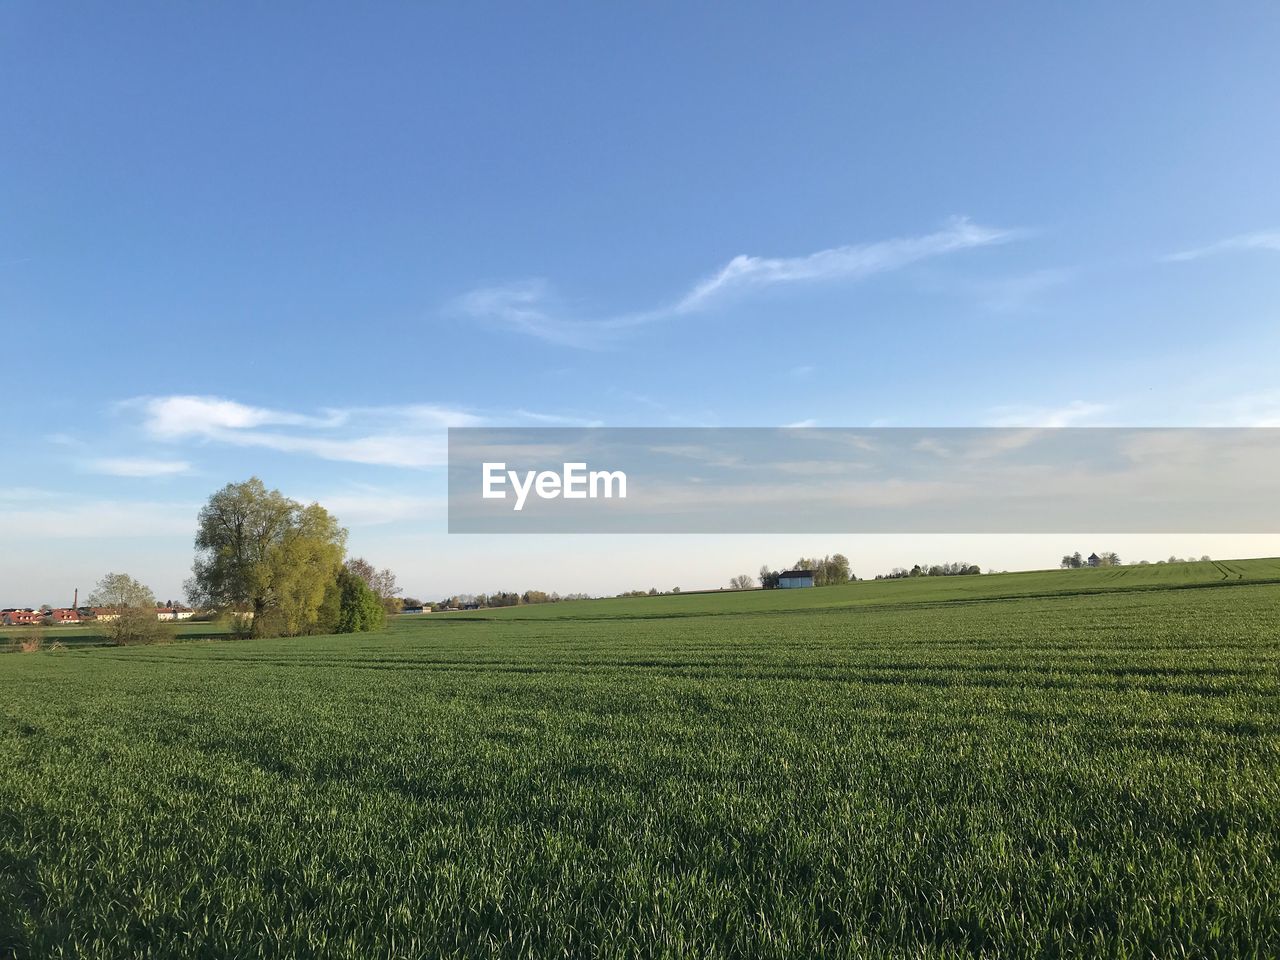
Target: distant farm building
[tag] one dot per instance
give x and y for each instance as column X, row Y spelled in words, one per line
column 24, row 618
column 1094, row 560
column 791, row 579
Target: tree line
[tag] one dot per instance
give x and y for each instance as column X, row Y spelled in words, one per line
column 957, row 568
column 499, row 598
column 1074, row 561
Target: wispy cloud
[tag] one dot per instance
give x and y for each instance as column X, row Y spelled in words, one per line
column 1067, row 415
column 1268, row 240
column 531, row 307
column 1019, row 294
column 410, row 435
column 557, row 420
column 401, row 436
column 854, row 262
column 137, row 467
column 173, row 417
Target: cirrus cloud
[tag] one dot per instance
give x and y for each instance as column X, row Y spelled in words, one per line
column 532, row 308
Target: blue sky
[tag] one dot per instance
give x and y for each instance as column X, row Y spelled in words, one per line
column 299, row 241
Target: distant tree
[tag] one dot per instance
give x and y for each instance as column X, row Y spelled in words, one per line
column 413, row 602
column 744, row 581
column 675, row 589
column 1077, row 561
column 362, row 568
column 835, row 569
column 1108, row 559
column 1205, row 559
column 769, row 578
column 381, row 582
column 130, row 611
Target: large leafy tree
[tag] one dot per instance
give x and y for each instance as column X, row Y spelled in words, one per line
column 260, row 554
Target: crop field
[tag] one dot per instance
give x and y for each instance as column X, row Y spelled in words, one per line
column 1074, row 763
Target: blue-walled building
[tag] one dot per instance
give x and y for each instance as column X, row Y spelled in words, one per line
column 790, row 579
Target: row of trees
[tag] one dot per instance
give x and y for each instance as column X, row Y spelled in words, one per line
column 277, row 566
column 957, row 568
column 500, row 598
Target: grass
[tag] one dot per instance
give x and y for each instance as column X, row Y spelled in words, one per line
column 1077, row 763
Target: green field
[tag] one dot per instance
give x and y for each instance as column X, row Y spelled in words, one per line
column 91, row 634
column 1067, row 763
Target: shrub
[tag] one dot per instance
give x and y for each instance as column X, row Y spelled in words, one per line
column 29, row 641
column 360, row 609
column 350, row 606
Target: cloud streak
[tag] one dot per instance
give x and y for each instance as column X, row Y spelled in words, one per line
column 409, row 436
column 1067, row 415
column 137, row 467
column 531, row 307
column 1268, row 240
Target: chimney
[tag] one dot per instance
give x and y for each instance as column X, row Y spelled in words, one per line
column 75, row 604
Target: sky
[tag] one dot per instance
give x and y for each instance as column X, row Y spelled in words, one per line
column 300, row 241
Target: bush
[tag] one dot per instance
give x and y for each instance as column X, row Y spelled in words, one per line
column 350, row 606
column 136, row 625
